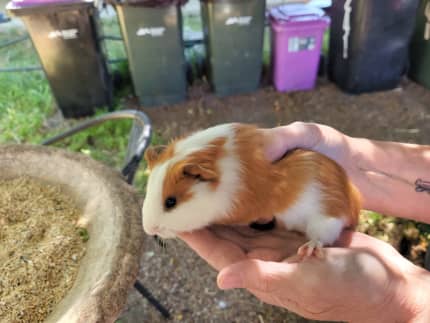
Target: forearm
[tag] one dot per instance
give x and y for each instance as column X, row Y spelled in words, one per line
column 386, row 173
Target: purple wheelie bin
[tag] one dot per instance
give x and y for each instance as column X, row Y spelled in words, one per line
column 296, row 38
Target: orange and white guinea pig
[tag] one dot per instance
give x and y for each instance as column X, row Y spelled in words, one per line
column 220, row 175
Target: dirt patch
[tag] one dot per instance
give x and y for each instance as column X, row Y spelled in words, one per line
column 402, row 114
column 41, row 248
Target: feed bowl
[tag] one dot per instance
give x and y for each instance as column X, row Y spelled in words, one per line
column 111, row 213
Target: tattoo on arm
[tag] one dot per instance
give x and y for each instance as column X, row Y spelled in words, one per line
column 422, row 186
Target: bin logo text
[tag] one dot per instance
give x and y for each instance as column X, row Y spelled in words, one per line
column 151, row 31
column 241, row 21
column 296, row 44
column 65, row 34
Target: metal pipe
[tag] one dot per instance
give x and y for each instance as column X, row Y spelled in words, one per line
column 192, row 42
column 124, row 114
column 14, row 41
column 140, row 138
column 141, row 289
column 39, row 68
column 187, row 42
column 110, row 37
column 20, row 69
column 117, row 60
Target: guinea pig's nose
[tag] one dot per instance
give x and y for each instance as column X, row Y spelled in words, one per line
column 153, row 230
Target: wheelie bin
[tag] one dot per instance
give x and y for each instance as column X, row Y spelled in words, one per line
column 152, row 33
column 369, row 43
column 65, row 35
column 420, row 46
column 297, row 33
column 233, row 36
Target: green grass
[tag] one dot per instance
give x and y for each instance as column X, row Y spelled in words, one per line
column 26, row 103
column 83, row 233
column 25, row 98
column 326, row 43
column 110, row 27
column 107, row 143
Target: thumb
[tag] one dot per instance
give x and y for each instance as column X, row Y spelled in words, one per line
column 262, row 276
column 284, row 138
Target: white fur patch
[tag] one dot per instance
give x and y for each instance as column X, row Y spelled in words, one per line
column 201, row 139
column 153, row 204
column 307, row 216
column 206, row 205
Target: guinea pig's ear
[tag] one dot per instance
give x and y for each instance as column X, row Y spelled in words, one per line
column 202, row 165
column 201, row 171
column 152, row 153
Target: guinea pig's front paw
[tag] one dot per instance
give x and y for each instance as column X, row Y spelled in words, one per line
column 310, row 248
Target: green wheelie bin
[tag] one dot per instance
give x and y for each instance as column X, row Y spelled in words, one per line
column 152, row 33
column 419, row 69
column 233, row 35
column 65, row 34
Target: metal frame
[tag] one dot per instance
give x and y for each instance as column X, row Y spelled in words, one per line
column 139, row 140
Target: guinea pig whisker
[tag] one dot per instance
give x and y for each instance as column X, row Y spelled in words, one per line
column 162, row 243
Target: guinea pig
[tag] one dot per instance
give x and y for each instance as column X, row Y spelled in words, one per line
column 220, row 175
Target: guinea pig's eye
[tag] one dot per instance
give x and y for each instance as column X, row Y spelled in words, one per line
column 170, row 202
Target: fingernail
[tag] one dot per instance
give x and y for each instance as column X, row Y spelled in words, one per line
column 229, row 281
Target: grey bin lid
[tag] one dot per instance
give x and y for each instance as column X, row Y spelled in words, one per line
column 150, row 3
column 296, row 12
column 16, row 4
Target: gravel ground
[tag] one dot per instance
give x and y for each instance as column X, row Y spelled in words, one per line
column 184, row 283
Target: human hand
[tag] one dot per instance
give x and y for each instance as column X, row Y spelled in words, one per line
column 361, row 279
column 235, row 243
column 313, row 136
column 345, row 150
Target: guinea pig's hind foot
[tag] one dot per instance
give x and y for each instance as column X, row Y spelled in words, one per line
column 310, row 248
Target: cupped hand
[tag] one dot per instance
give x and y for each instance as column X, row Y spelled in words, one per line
column 221, row 245
column 361, row 279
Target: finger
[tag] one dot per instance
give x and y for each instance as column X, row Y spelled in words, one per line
column 262, row 276
column 355, row 239
column 248, row 239
column 279, row 231
column 268, row 254
column 245, row 230
column 217, row 252
column 297, row 134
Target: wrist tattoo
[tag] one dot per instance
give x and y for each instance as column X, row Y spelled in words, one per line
column 422, row 186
